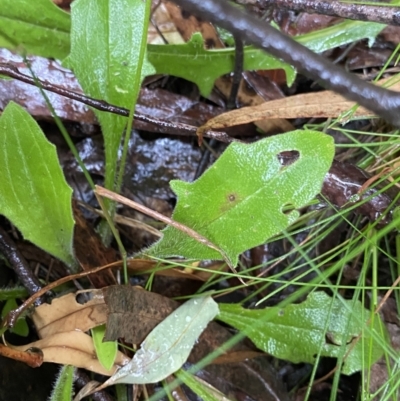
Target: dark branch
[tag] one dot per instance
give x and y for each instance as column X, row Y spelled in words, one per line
column 383, row 102
column 18, row 263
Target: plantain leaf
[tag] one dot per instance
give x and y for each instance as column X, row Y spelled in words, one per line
column 169, row 344
column 33, row 192
column 108, row 43
column 39, row 26
column 297, row 333
column 239, row 202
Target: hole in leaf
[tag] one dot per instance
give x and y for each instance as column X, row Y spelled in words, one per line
column 288, row 157
column 83, row 297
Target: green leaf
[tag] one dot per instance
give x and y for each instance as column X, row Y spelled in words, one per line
column 106, row 351
column 39, row 26
column 107, row 58
column 238, row 203
column 63, row 387
column 33, row 192
column 196, row 64
column 297, row 333
column 169, row 344
column 21, row 327
column 339, row 35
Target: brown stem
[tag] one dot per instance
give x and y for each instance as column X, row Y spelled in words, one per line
column 167, row 127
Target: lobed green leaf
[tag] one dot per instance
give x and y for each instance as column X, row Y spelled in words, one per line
column 240, row 201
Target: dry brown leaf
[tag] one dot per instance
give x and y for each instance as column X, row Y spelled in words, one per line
column 90, row 250
column 73, row 348
column 65, row 314
column 311, row 105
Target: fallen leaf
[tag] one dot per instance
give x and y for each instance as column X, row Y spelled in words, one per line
column 310, row 105
column 64, row 314
column 90, row 250
column 168, row 346
column 73, row 348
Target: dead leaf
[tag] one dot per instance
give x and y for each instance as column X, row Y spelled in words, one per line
column 91, row 252
column 73, row 348
column 64, row 314
column 130, row 305
column 311, row 105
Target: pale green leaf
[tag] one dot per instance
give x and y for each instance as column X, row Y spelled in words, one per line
column 168, row 346
column 106, row 351
column 297, row 333
column 238, row 203
column 106, row 57
column 33, row 192
column 63, row 390
column 38, row 26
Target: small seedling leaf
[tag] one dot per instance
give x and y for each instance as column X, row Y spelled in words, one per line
column 168, row 346
column 106, row 351
column 39, row 26
column 240, row 201
column 106, row 57
column 33, row 192
column 62, row 390
column 297, row 333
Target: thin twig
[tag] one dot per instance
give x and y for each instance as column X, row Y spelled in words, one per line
column 168, row 127
column 158, row 216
